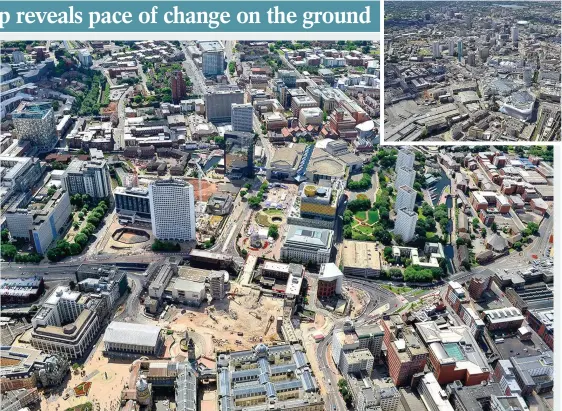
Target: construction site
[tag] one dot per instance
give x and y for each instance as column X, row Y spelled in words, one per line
column 240, row 321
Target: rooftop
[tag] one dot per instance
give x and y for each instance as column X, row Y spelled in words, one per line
column 454, row 344
column 133, row 334
column 211, row 46
column 308, row 236
column 361, row 254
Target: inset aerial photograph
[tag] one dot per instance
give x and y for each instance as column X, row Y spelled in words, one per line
column 473, row 71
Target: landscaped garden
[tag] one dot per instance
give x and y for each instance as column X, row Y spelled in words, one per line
column 370, row 216
column 87, row 406
column 82, row 389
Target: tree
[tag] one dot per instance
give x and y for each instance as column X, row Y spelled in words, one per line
column 88, row 229
column 92, row 219
column 248, row 186
column 76, row 225
column 75, row 249
column 347, row 232
column 347, row 217
column 421, row 228
column 166, row 246
column 8, row 251
column 384, row 215
column 518, row 245
column 54, row 255
column 243, row 193
column 219, row 141
column 5, row 235
column 81, row 239
column 494, row 227
column 417, row 274
column 533, row 228
column 254, row 201
column 427, row 210
column 359, row 205
column 76, row 200
column 273, row 232
column 387, row 252
column 344, row 391
column 381, row 234
column 395, row 273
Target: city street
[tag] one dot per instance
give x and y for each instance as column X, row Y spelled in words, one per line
column 195, row 74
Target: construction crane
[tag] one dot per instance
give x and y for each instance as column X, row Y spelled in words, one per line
column 268, row 326
column 199, row 174
column 256, row 315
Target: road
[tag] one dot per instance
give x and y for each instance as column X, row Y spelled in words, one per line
column 193, row 72
column 132, row 307
column 226, row 241
column 119, row 131
column 541, row 243
column 378, row 298
column 12, row 270
column 230, row 55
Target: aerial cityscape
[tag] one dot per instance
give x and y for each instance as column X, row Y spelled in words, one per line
column 472, row 71
column 213, row 225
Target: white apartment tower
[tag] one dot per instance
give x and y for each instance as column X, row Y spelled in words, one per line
column 405, row 198
column 515, row 34
column 85, row 58
column 172, row 203
column 436, row 50
column 405, row 158
column 242, row 117
column 405, row 225
column 405, row 176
